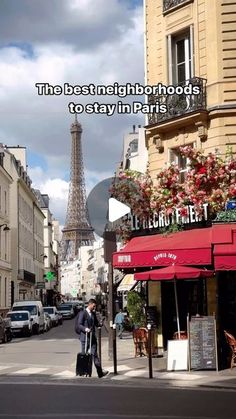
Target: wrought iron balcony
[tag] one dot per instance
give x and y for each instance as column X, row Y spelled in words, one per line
column 170, row 4
column 179, row 105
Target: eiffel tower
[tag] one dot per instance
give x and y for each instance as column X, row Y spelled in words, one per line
column 77, row 231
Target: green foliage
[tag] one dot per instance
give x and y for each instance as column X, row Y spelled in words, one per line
column 173, row 228
column 226, row 216
column 135, row 306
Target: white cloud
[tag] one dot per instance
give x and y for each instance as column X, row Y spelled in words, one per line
column 71, row 42
column 58, row 189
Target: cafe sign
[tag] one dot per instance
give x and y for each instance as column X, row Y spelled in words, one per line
column 162, row 220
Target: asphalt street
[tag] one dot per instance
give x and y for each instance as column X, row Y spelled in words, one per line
column 102, row 401
column 37, row 380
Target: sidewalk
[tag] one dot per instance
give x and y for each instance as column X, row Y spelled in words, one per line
column 131, row 368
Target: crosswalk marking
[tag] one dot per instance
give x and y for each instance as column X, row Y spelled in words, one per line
column 3, row 368
column 119, row 377
column 124, row 373
column 136, row 373
column 119, row 368
column 65, row 374
column 28, row 371
column 56, row 340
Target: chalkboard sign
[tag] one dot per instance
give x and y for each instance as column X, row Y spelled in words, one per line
column 202, row 341
column 152, row 316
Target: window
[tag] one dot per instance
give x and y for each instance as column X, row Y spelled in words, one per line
column 133, row 146
column 6, row 245
column 181, row 161
column 169, row 5
column 6, row 293
column 181, row 56
column 5, row 201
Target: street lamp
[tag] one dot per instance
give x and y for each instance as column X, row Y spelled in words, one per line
column 6, row 228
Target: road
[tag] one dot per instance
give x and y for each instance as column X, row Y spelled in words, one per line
column 37, row 380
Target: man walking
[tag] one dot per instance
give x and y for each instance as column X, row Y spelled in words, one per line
column 86, row 322
column 119, row 321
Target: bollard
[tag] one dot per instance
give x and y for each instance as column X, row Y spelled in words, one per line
column 114, row 350
column 149, row 326
column 100, row 343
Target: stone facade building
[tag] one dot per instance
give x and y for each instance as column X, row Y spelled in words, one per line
column 191, row 42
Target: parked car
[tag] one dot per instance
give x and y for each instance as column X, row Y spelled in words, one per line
column 47, row 322
column 21, row 322
column 52, row 311
column 60, row 318
column 5, row 330
column 77, row 305
column 66, row 310
column 36, row 311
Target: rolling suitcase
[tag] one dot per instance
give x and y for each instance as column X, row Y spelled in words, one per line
column 84, row 360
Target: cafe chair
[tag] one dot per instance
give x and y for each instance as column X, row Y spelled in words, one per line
column 232, row 344
column 140, row 338
column 183, row 335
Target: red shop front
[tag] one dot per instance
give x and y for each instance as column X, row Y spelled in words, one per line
column 212, row 248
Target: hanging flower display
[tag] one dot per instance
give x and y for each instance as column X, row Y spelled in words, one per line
column 209, row 179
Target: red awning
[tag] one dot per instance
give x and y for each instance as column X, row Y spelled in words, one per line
column 191, row 247
column 173, row 272
column 224, row 239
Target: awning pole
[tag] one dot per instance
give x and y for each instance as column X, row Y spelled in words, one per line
column 177, row 307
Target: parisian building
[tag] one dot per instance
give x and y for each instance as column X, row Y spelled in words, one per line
column 49, row 288
column 6, row 283
column 189, row 44
column 26, row 228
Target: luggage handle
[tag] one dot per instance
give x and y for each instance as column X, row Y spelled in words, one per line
column 86, row 342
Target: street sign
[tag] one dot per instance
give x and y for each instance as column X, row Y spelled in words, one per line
column 74, row 292
column 40, row 285
column 50, row 276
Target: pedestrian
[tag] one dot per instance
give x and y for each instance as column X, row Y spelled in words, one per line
column 86, row 322
column 119, row 321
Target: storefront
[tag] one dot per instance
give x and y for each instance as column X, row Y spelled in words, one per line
column 211, row 248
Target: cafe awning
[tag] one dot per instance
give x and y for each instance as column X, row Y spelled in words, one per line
column 191, row 247
column 127, row 283
column 224, row 239
column 173, row 272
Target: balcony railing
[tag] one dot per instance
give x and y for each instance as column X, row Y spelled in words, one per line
column 179, row 105
column 170, row 4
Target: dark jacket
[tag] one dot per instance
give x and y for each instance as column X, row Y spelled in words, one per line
column 84, row 320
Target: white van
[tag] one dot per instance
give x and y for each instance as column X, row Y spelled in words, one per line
column 36, row 312
column 21, row 322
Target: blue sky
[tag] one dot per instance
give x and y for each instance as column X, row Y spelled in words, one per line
column 66, row 41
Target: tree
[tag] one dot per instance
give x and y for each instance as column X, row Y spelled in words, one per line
column 135, row 306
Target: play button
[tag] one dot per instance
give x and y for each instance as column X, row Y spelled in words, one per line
column 102, row 207
column 116, row 210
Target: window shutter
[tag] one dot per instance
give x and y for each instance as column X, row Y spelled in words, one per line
column 172, row 156
column 192, row 70
column 170, row 61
